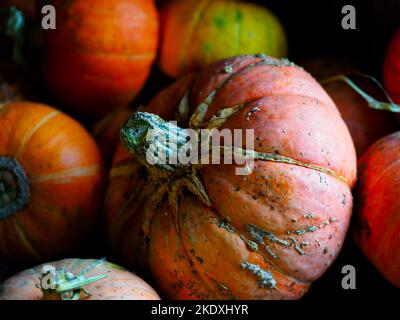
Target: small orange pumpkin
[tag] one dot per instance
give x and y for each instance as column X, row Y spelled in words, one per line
column 101, row 53
column 98, row 280
column 51, row 178
column 378, row 228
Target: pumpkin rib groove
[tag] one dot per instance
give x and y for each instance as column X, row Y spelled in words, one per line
column 264, row 61
column 29, row 134
column 76, row 172
column 187, row 253
column 294, row 162
column 211, row 96
column 24, row 238
column 122, row 170
column 279, row 270
column 154, row 200
column 36, row 204
column 58, row 214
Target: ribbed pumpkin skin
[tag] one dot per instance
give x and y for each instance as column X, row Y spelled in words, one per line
column 119, row 284
column 379, row 207
column 65, row 173
column 203, row 261
column 199, row 32
column 366, row 125
column 391, row 71
column 100, row 55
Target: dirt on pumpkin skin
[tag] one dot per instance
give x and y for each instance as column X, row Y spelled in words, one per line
column 283, row 224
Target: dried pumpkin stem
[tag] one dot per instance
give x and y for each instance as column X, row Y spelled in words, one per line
column 66, row 286
column 155, row 144
column 158, row 145
column 372, row 102
column 14, row 187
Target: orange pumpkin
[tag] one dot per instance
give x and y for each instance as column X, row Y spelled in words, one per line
column 51, row 177
column 366, row 125
column 206, row 233
column 106, row 132
column 195, row 33
column 378, row 231
column 89, row 280
column 391, row 71
column 101, row 53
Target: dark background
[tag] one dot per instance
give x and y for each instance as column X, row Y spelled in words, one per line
column 314, row 30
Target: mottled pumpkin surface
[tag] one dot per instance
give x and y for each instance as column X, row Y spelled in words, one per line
column 118, row 285
column 267, row 235
column 379, row 207
column 62, row 182
column 195, row 33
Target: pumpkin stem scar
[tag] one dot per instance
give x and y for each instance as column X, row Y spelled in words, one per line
column 372, row 102
column 14, row 187
column 63, row 285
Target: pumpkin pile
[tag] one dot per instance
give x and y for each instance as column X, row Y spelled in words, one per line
column 83, row 175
